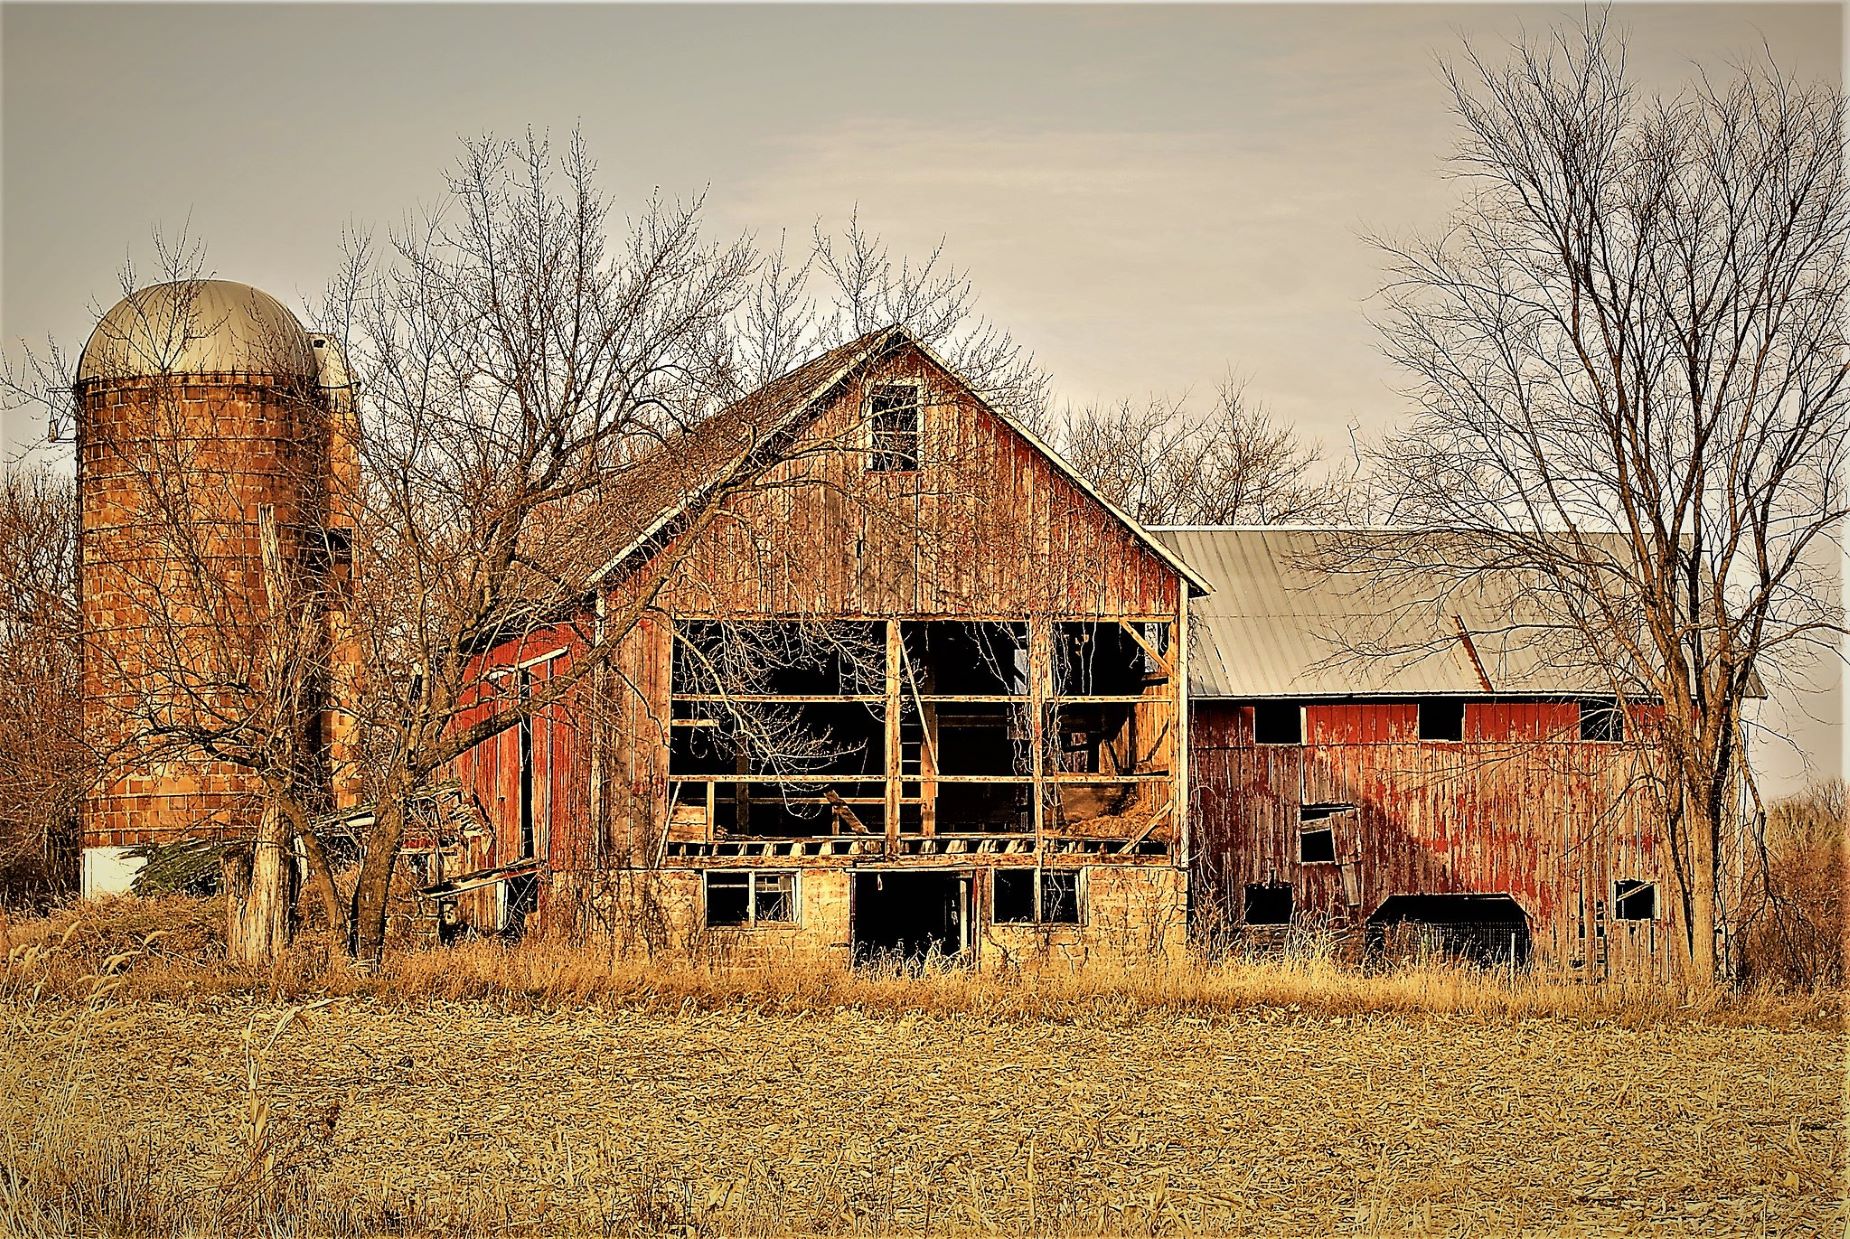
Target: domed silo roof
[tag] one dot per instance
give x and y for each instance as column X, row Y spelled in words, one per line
column 197, row 327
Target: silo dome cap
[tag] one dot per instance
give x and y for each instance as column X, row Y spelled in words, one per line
column 197, row 327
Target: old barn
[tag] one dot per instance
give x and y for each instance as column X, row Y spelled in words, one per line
column 915, row 688
column 1395, row 767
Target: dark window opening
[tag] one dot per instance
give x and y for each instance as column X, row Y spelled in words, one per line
column 774, row 897
column 1013, row 902
column 1014, row 897
column 1633, row 900
column 1442, row 719
column 893, row 414
column 1602, row 721
column 1060, row 896
column 980, row 658
column 1268, row 904
column 729, row 899
column 1105, row 660
column 1317, row 846
column 750, row 898
column 1278, row 722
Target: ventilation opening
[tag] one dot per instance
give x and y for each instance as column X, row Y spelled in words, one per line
column 904, row 917
column 1489, row 930
column 1268, row 904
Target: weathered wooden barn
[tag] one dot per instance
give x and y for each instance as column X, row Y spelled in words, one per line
column 915, row 688
column 1378, row 765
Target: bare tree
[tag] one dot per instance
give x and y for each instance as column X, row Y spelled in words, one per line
column 44, row 764
column 1166, row 464
column 527, row 377
column 850, row 284
column 1629, row 358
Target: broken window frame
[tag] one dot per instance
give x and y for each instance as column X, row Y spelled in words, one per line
column 1626, row 896
column 760, row 887
column 893, row 448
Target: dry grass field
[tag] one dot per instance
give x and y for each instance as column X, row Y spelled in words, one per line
column 1273, row 1100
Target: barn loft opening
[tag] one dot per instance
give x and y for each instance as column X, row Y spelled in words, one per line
column 1485, row 929
column 908, row 916
column 1278, row 722
column 1442, row 718
column 1267, row 903
column 799, row 729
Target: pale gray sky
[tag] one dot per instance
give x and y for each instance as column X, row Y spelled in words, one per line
column 1146, row 196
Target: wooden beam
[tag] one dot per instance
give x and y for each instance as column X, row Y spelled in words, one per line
column 894, row 651
column 855, row 824
column 1155, row 655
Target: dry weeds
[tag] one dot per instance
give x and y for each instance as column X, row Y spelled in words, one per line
column 587, row 1098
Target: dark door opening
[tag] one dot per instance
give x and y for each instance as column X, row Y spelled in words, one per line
column 1490, row 930
column 905, row 917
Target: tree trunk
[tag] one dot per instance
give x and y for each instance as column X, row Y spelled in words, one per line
column 372, row 892
column 1702, row 825
column 260, row 889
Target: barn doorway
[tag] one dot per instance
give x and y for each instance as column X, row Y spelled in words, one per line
column 1488, row 930
column 909, row 916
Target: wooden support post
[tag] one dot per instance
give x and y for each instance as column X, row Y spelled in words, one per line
column 1039, row 681
column 894, row 652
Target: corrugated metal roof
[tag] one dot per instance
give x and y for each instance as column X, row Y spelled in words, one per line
column 1285, row 620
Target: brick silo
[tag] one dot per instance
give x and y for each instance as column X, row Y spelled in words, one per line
column 205, row 415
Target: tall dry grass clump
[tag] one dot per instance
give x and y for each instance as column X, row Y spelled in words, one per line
column 1796, row 935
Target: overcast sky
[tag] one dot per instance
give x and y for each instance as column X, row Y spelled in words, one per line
column 1147, row 197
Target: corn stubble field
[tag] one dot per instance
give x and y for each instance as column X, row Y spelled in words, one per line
column 533, row 1091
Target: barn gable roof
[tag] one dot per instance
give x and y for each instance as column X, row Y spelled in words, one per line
column 746, row 436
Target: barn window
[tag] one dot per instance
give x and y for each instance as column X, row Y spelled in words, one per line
column 1317, row 845
column 1442, row 718
column 1633, row 900
column 1013, row 902
column 893, row 413
column 1268, row 904
column 750, row 898
column 1602, row 721
column 1278, row 722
